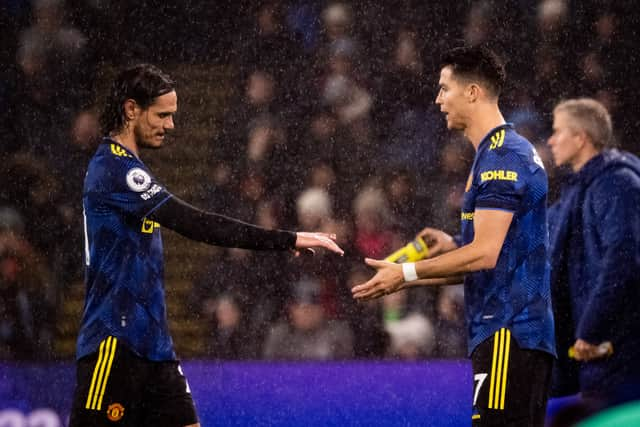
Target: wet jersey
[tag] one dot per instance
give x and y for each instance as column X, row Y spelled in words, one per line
column 123, row 256
column 508, row 175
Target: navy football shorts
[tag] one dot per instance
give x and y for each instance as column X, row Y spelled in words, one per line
column 116, row 387
column 511, row 384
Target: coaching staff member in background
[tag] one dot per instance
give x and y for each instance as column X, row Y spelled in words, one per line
column 127, row 370
column 502, row 250
column 595, row 256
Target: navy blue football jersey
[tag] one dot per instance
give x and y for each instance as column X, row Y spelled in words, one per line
column 125, row 295
column 507, row 174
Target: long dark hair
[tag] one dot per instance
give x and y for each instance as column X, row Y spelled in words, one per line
column 143, row 83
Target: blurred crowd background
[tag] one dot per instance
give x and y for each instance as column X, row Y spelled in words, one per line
column 308, row 115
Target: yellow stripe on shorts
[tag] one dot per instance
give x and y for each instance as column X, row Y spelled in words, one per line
column 499, row 368
column 493, row 369
column 506, row 366
column 101, row 373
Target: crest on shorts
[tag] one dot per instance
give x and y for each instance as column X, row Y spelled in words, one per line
column 115, row 412
column 138, row 180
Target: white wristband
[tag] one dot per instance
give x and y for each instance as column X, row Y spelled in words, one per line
column 409, row 271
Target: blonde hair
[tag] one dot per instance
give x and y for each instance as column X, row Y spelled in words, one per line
column 591, row 117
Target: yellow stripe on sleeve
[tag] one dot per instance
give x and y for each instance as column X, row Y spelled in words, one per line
column 506, row 366
column 493, row 369
column 106, row 375
column 95, row 374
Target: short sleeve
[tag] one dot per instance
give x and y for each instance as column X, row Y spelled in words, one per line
column 501, row 181
column 135, row 191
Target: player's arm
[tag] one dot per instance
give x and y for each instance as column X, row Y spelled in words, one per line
column 490, row 229
column 439, row 281
column 221, row 230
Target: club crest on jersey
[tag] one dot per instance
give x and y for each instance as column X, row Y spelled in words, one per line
column 138, row 180
column 115, row 412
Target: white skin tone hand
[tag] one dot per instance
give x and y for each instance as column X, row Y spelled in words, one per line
column 585, row 351
column 437, row 241
column 388, row 279
column 308, row 241
column 490, row 230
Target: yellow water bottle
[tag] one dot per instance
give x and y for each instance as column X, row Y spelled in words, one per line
column 413, row 251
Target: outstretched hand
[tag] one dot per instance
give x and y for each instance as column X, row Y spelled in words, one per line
column 308, row 241
column 388, row 279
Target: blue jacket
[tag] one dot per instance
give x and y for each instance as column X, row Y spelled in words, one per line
column 595, row 272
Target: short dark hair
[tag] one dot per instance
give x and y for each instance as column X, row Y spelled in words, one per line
column 143, row 83
column 477, row 62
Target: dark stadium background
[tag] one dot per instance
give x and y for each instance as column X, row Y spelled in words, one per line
column 347, row 128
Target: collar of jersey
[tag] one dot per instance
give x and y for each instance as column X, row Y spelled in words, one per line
column 487, row 137
column 109, row 140
column 483, row 143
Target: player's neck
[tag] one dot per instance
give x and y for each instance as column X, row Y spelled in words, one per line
column 127, row 140
column 483, row 121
